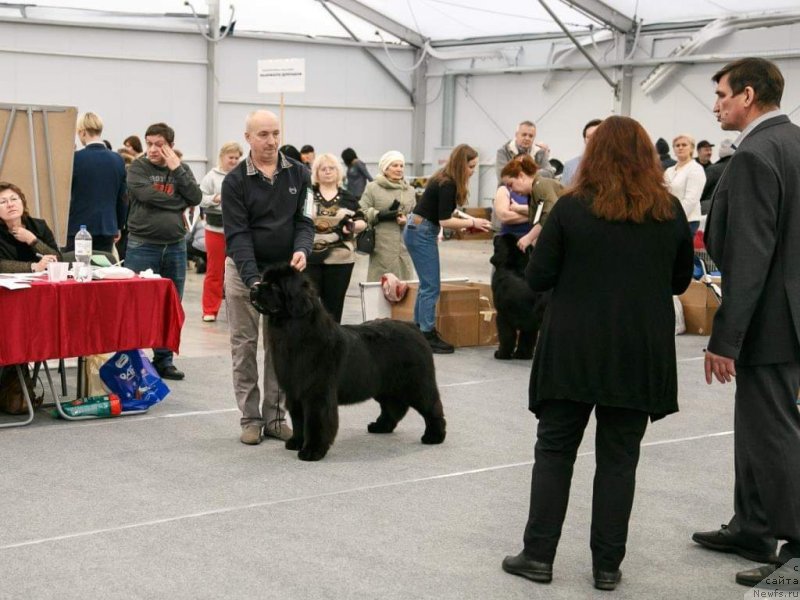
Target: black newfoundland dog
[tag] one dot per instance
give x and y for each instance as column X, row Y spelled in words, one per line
column 321, row 364
column 519, row 309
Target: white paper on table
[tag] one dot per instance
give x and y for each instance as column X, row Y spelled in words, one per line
column 23, row 276
column 14, row 284
column 148, row 274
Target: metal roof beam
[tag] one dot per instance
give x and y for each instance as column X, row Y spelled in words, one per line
column 580, row 48
column 603, row 13
column 369, row 54
column 381, row 21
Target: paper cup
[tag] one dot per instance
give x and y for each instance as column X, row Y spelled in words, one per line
column 57, row 271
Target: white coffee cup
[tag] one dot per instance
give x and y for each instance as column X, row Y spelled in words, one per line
column 57, row 271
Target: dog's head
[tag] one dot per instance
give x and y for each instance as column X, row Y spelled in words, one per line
column 507, row 255
column 283, row 293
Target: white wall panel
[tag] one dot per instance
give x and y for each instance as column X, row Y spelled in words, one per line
column 128, row 94
column 349, row 100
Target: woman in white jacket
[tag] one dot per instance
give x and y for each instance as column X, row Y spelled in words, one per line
column 229, row 156
column 686, row 179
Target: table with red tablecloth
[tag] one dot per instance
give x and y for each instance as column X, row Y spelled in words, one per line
column 61, row 320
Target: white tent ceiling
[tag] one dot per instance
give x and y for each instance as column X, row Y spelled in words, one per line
column 436, row 20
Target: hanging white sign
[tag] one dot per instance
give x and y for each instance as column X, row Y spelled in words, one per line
column 281, row 75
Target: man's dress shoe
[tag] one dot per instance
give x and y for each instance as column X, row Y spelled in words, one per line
column 724, row 540
column 523, row 566
column 606, row 580
column 780, row 577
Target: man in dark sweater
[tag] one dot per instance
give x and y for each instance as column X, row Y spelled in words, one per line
column 160, row 187
column 266, row 208
column 98, row 198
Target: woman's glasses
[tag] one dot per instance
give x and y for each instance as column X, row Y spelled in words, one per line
column 6, row 201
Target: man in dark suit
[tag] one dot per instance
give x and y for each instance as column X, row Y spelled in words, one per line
column 753, row 234
column 99, row 193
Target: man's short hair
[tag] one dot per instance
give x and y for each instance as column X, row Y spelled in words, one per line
column 306, row 149
column 163, row 130
column 762, row 75
column 526, row 124
column 90, row 123
column 590, row 124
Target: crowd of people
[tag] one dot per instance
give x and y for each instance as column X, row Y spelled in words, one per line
column 606, row 345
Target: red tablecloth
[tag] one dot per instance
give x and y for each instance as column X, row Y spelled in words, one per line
column 60, row 320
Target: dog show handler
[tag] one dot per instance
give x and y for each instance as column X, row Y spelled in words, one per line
column 266, row 208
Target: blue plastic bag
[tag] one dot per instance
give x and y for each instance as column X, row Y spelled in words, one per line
column 132, row 377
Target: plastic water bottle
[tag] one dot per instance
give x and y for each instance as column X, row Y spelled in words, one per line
column 96, row 406
column 83, row 254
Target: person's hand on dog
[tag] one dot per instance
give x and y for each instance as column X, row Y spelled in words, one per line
column 298, row 262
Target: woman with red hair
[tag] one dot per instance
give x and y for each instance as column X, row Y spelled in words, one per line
column 614, row 250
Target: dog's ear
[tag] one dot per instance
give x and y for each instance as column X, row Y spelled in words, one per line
column 500, row 256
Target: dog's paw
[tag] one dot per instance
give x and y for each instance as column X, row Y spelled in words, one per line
column 435, row 437
column 378, row 427
column 502, row 355
column 311, row 454
column 294, row 443
column 435, row 431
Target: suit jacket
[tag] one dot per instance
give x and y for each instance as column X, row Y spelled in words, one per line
column 713, row 174
column 99, row 199
column 753, row 234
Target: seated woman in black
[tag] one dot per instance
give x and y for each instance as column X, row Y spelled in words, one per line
column 26, row 244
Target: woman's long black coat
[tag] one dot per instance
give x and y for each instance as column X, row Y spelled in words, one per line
column 608, row 336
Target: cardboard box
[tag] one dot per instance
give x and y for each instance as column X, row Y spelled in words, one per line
column 457, row 312
column 700, row 304
column 487, row 315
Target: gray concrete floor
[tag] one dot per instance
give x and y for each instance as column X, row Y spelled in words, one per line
column 171, row 505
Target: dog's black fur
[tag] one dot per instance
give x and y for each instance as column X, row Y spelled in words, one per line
column 321, row 364
column 519, row 309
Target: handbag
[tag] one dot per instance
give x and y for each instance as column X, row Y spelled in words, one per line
column 365, row 241
column 12, row 399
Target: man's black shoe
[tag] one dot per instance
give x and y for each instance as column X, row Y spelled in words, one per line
column 782, row 578
column 437, row 344
column 170, row 372
column 523, row 566
column 724, row 540
column 606, row 580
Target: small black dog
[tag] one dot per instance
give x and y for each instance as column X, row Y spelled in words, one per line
column 321, row 364
column 519, row 309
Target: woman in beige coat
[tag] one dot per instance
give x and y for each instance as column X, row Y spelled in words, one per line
column 385, row 204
